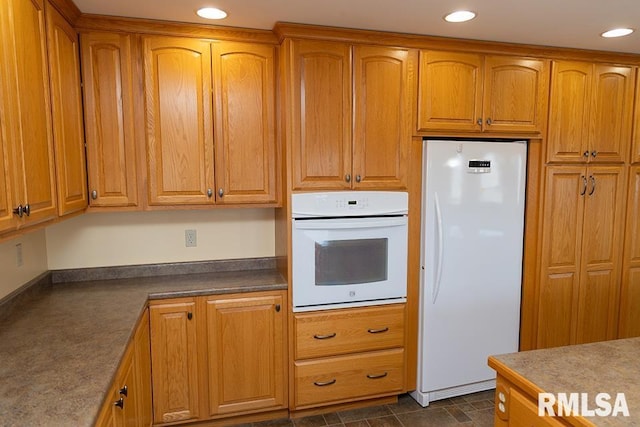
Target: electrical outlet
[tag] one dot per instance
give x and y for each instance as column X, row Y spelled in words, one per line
column 190, row 238
column 19, row 260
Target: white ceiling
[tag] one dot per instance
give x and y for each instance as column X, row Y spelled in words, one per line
column 566, row 23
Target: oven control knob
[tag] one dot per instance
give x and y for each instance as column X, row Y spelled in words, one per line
column 352, row 294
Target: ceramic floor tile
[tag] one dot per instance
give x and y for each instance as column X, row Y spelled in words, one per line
column 390, row 421
column 312, row 421
column 363, row 413
column 359, row 423
column 481, row 395
column 482, row 417
column 482, row 404
column 332, row 418
column 435, row 417
column 458, row 414
column 405, row 404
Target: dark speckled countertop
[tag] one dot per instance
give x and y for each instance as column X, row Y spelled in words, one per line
column 60, row 350
column 603, row 367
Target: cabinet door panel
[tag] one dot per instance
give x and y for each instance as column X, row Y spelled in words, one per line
column 382, row 117
column 569, row 106
column 29, row 93
column 450, row 91
column 177, row 75
column 629, row 325
column 66, row 100
column 611, row 113
column 515, row 94
column 174, row 362
column 8, row 220
column 246, row 353
column 245, row 122
column 108, row 103
column 635, row 149
column 600, row 263
column 321, row 90
column 561, row 240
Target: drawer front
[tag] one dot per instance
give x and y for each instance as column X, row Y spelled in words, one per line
column 330, row 333
column 336, row 379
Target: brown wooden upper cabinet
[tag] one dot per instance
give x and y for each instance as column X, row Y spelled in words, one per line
column 27, row 186
column 582, row 228
column 108, row 109
column 185, row 81
column 590, row 112
column 470, row 92
column 350, row 115
column 66, row 103
column 635, row 153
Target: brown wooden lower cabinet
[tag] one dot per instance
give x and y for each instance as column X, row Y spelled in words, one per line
column 219, row 356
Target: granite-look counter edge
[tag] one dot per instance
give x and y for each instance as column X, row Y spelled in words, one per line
column 60, row 350
column 602, row 367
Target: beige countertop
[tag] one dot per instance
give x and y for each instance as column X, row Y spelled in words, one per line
column 60, row 350
column 605, row 367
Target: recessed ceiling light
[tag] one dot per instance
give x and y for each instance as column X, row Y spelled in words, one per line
column 618, row 32
column 211, row 13
column 460, row 16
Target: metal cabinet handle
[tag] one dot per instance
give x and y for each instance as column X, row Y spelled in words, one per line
column 324, row 337
column 358, row 178
column 189, row 315
column 479, row 121
column 277, row 308
column 119, row 403
column 584, row 185
column 347, row 177
column 375, row 377
column 94, row 194
column 209, row 192
column 594, row 153
column 124, row 391
column 27, row 209
column 377, row 331
column 326, row 383
column 19, row 210
column 489, row 121
column 585, row 154
column 593, row 185
column 220, row 192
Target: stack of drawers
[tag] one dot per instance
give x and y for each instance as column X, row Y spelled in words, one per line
column 347, row 355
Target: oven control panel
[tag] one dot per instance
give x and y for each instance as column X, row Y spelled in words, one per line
column 349, row 203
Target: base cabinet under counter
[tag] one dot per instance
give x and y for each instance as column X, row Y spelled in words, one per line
column 347, row 355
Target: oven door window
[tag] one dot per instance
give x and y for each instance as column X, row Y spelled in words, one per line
column 350, row 262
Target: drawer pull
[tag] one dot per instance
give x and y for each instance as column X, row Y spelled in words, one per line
column 324, row 337
column 377, row 331
column 326, row 383
column 375, row 377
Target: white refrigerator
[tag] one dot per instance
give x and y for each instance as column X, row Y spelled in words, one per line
column 472, row 238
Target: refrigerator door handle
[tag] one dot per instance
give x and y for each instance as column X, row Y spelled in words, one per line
column 439, row 250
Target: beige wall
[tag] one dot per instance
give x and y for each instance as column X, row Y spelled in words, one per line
column 128, row 238
column 34, row 256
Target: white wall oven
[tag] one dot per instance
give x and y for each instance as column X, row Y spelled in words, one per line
column 349, row 249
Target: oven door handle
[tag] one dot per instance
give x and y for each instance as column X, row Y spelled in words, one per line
column 332, row 224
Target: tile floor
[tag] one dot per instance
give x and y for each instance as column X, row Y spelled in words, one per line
column 471, row 410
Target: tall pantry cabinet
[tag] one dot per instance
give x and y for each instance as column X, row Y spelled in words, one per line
column 584, row 203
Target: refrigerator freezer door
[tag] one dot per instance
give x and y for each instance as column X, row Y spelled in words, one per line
column 473, row 218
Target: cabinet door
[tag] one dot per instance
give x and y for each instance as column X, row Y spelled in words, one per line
column 635, row 149
column 174, row 362
column 629, row 325
column 142, row 362
column 600, row 261
column 126, row 393
column 244, row 82
column 382, row 114
column 177, row 84
column 569, row 119
column 450, row 91
column 108, row 106
column 66, row 102
column 523, row 412
column 321, row 116
column 564, row 194
column 611, row 112
column 8, row 220
column 246, row 353
column 28, row 91
column 515, row 94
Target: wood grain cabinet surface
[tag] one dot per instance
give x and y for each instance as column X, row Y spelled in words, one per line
column 590, row 117
column 350, row 115
column 471, row 92
column 108, row 110
column 630, row 292
column 219, row 356
column 66, row 103
column 582, row 228
column 183, row 80
column 635, row 151
column 29, row 170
